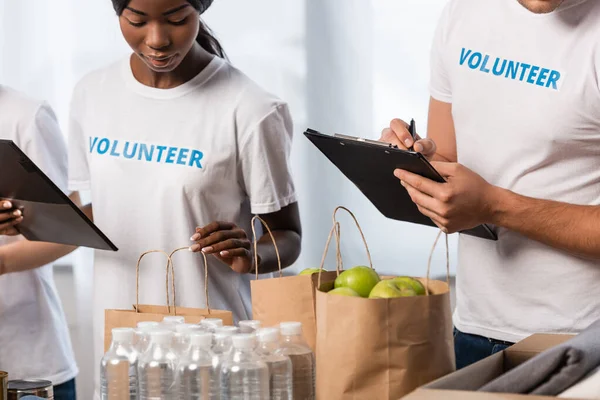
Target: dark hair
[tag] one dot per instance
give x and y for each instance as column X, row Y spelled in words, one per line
column 205, row 37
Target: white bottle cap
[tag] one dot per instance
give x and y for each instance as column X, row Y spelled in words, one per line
column 244, row 341
column 201, row 339
column 267, row 335
column 212, row 322
column 173, row 319
column 122, row 334
column 147, row 324
column 226, row 331
column 161, row 337
column 187, row 328
column 250, row 323
column 290, row 328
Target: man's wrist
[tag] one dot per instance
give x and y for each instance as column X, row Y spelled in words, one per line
column 499, row 202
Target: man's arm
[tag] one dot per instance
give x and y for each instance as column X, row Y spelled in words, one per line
column 572, row 228
column 24, row 255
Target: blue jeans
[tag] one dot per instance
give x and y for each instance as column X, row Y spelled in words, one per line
column 471, row 348
column 65, row 391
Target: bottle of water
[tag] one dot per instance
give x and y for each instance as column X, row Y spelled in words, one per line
column 221, row 350
column 118, row 369
column 244, row 375
column 157, row 368
column 211, row 324
column 303, row 360
column 249, row 326
column 280, row 366
column 170, row 321
column 195, row 372
column 141, row 337
column 181, row 338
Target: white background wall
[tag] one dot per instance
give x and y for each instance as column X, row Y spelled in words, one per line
column 345, row 66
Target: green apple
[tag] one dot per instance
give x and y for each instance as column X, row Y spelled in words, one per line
column 361, row 279
column 344, row 291
column 388, row 289
column 310, row 271
column 411, row 283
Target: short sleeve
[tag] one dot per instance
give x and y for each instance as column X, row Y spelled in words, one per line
column 45, row 145
column 439, row 85
column 79, row 171
column 265, row 162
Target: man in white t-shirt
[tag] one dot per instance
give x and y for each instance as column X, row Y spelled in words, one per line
column 514, row 126
column 34, row 336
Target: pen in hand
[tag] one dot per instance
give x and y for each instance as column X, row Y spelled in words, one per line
column 413, row 133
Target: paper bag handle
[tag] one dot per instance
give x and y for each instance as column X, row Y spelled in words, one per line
column 335, row 229
column 205, row 277
column 255, row 243
column 437, row 238
column 137, row 279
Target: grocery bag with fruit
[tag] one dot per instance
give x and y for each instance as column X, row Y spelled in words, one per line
column 383, row 336
column 285, row 298
column 145, row 312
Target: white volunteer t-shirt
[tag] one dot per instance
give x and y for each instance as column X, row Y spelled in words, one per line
column 525, row 97
column 160, row 162
column 34, row 337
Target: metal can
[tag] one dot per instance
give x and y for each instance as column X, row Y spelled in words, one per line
column 3, row 385
column 18, row 389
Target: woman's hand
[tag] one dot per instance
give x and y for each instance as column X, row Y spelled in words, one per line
column 227, row 242
column 9, row 218
column 398, row 134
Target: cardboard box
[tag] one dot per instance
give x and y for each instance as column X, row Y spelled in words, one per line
column 462, row 384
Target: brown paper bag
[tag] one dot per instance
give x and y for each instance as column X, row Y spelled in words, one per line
column 290, row 298
column 381, row 348
column 144, row 312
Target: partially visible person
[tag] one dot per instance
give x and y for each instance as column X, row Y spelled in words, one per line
column 514, row 127
column 34, row 336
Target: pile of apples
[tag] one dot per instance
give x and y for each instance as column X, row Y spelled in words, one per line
column 362, row 281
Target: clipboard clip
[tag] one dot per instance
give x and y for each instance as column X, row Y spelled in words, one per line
column 363, row 140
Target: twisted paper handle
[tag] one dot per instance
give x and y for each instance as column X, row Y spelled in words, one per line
column 437, row 238
column 255, row 243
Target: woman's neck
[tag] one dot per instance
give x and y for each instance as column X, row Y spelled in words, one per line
column 194, row 62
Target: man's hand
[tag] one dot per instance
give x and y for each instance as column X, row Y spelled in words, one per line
column 463, row 202
column 9, row 218
column 398, row 134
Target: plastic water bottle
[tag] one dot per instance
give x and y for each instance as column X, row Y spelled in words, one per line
column 118, row 369
column 181, row 338
column 280, row 366
column 211, row 324
column 141, row 336
column 249, row 326
column 195, row 372
column 244, row 375
column 303, row 360
column 170, row 321
column 221, row 350
column 157, row 368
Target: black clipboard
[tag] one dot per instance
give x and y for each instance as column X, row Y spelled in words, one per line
column 370, row 165
column 50, row 216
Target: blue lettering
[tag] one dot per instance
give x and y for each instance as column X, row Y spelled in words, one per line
column 483, row 65
column 160, row 152
column 533, row 74
column 475, row 64
column 132, row 154
column 495, row 69
column 524, row 68
column 93, row 143
column 553, row 79
column 171, row 155
column 145, row 152
column 113, row 151
column 181, row 160
column 105, row 143
column 464, row 54
column 542, row 76
column 512, row 69
column 196, row 157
